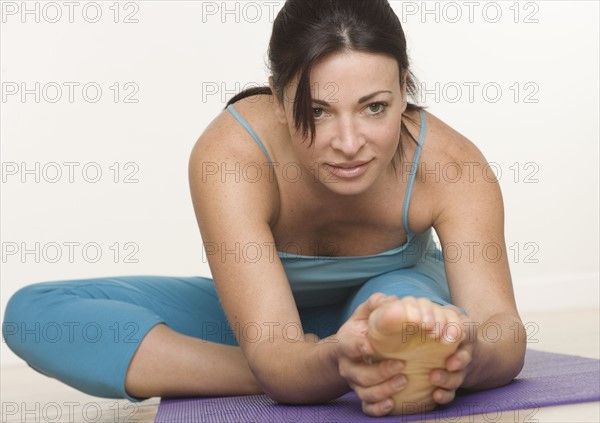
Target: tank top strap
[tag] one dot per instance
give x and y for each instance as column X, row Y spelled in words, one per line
column 413, row 173
column 245, row 124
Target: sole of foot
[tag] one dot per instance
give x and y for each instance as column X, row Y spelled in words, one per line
column 421, row 333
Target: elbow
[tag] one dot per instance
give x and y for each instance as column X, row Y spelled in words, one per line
column 519, row 360
column 271, row 379
column 274, row 384
column 291, row 398
column 520, row 349
column 280, row 394
column 513, row 369
column 279, row 389
column 269, row 385
column 516, row 360
column 280, row 397
column 505, row 360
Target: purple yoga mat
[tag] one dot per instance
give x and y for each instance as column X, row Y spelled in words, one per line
column 546, row 379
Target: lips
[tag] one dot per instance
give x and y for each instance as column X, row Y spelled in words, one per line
column 348, row 165
column 348, row 170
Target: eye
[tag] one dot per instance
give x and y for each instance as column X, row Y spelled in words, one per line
column 379, row 105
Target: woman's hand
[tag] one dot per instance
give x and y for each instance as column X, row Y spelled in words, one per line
column 374, row 383
column 457, row 366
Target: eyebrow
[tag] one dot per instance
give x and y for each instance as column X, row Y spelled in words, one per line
column 360, row 100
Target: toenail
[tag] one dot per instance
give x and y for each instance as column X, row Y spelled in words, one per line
column 437, row 378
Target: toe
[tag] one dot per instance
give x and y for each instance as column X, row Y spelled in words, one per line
column 387, row 319
column 440, row 320
column 413, row 309
column 427, row 313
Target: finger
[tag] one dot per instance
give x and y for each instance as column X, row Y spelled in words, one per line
column 443, row 396
column 366, row 375
column 459, row 360
column 447, row 380
column 378, row 409
column 364, row 309
column 381, row 392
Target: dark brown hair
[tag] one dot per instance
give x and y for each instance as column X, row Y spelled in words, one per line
column 306, row 31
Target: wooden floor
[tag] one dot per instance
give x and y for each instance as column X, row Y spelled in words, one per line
column 28, row 396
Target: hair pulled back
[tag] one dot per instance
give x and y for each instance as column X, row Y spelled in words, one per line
column 307, row 31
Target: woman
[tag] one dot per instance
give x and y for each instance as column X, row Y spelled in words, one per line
column 324, row 279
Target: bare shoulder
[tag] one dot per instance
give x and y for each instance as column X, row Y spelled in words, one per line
column 448, row 146
column 226, row 154
column 452, row 167
column 226, row 134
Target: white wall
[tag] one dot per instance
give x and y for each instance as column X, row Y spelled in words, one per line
column 176, row 50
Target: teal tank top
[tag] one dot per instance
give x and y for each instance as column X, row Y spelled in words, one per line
column 320, row 280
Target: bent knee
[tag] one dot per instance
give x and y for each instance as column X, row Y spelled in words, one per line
column 22, row 308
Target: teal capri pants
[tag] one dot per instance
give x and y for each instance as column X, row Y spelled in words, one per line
column 85, row 332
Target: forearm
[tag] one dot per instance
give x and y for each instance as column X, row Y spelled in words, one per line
column 498, row 353
column 299, row 372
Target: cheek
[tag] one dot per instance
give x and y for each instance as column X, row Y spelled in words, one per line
column 388, row 138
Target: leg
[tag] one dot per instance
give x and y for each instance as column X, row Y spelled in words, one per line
column 415, row 328
column 86, row 332
column 170, row 364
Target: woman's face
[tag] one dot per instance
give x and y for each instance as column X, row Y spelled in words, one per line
column 357, row 107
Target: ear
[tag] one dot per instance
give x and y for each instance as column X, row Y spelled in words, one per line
column 279, row 108
column 403, row 90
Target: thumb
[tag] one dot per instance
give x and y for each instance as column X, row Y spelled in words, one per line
column 364, row 310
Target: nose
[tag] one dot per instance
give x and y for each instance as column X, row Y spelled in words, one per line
column 348, row 140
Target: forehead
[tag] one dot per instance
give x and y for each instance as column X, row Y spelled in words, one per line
column 352, row 74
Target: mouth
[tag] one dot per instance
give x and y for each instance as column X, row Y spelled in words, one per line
column 349, row 165
column 348, row 169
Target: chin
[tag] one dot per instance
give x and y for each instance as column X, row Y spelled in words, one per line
column 347, row 188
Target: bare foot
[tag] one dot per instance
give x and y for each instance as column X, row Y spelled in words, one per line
column 421, row 333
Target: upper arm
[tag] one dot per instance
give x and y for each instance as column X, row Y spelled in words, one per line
column 233, row 209
column 470, row 225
